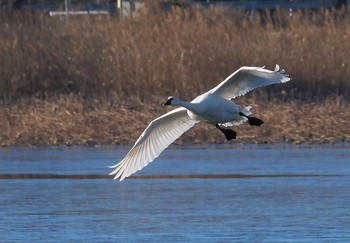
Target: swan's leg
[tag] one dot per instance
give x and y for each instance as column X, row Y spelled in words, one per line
column 229, row 133
column 253, row 121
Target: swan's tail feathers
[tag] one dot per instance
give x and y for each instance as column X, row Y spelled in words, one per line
column 246, row 111
column 285, row 77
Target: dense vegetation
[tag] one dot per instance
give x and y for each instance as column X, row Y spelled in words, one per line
column 102, row 63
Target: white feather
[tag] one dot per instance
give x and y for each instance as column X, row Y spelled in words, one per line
column 215, row 107
column 246, row 79
column 159, row 134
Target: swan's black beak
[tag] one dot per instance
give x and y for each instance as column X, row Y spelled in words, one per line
column 168, row 102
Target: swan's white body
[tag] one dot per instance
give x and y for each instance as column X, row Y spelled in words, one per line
column 214, row 107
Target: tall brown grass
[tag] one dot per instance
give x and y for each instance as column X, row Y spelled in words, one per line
column 100, row 80
column 185, row 51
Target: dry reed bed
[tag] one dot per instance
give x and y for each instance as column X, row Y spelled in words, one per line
column 68, row 121
column 100, row 80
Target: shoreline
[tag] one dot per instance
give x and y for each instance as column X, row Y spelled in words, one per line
column 71, row 121
column 190, row 146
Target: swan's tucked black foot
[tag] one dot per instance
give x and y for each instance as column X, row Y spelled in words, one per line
column 229, row 133
column 253, row 121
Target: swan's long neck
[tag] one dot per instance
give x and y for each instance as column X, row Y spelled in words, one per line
column 188, row 105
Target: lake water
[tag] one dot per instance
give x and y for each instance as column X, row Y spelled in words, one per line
column 230, row 193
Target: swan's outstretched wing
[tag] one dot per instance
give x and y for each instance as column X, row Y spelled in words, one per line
column 159, row 134
column 246, row 79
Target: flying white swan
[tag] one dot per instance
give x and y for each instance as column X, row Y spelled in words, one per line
column 215, row 107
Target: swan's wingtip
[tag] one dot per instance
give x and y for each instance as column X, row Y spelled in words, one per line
column 117, row 173
column 112, row 173
column 116, row 176
column 120, row 178
column 279, row 70
column 286, row 77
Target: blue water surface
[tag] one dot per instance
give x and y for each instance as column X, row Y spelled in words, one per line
column 296, row 193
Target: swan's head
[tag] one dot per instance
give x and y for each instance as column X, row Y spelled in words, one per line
column 169, row 101
column 173, row 101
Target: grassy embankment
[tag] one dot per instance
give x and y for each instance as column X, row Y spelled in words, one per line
column 100, row 80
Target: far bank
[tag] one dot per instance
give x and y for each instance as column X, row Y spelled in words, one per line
column 74, row 121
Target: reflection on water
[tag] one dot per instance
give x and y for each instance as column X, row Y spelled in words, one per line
column 195, row 194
